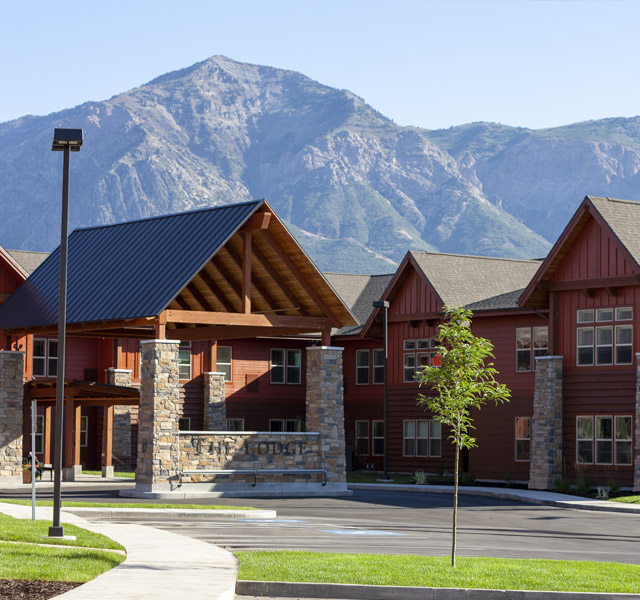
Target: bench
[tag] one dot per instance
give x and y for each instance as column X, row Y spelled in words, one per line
column 256, row 472
column 49, row 470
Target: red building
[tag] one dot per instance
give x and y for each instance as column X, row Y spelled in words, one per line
column 562, row 328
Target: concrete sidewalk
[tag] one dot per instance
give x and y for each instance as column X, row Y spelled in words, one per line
column 159, row 565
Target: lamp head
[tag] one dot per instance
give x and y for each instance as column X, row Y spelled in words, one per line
column 67, row 138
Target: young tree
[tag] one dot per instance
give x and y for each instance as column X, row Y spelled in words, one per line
column 462, row 381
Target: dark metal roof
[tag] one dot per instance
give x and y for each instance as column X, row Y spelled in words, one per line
column 125, row 271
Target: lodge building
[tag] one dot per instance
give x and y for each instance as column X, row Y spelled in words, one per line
column 263, row 342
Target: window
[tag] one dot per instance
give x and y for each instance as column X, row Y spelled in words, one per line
column 378, row 437
column 84, row 428
column 362, row 367
column 427, row 356
column 223, row 361
column 584, row 440
column 530, row 342
column 39, row 433
column 184, row 360
column 45, row 357
column 286, row 363
column 282, row 425
column 609, row 441
column 184, row 424
column 235, row 424
column 362, row 438
column 378, row 366
column 422, row 438
column 523, row 438
column 604, row 344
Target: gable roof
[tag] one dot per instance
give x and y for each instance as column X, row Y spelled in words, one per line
column 358, row 292
column 141, row 268
column 29, row 261
column 622, row 217
column 461, row 280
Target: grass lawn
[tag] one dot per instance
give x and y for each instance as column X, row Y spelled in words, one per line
column 127, row 474
column 25, row 530
column 428, row 571
column 627, row 499
column 25, row 554
column 66, row 504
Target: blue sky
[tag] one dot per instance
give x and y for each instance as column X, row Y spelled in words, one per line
column 426, row 63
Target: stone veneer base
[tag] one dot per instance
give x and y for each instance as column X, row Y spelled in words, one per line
column 271, row 490
column 9, row 481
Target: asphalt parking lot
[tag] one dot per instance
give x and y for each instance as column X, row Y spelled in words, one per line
column 400, row 522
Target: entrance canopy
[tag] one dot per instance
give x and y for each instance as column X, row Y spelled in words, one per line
column 226, row 272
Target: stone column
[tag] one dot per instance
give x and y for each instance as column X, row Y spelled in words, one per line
column 121, row 425
column 11, row 400
column 636, row 443
column 158, row 444
column 546, row 427
column 325, row 410
column 215, row 409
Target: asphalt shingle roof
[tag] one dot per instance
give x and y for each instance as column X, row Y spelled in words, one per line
column 29, row 261
column 462, row 280
column 623, row 216
column 358, row 292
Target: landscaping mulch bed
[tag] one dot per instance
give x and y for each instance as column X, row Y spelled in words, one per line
column 16, row 589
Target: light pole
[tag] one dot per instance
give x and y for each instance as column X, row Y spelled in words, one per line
column 64, row 140
column 384, row 305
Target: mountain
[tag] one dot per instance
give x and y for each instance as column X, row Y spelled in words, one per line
column 356, row 189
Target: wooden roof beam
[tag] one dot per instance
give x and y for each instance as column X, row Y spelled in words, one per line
column 256, row 222
column 277, row 279
column 240, row 319
column 224, row 272
column 258, row 286
column 73, row 328
column 211, row 284
column 300, row 277
column 582, row 284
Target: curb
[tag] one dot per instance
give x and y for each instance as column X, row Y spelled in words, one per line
column 108, row 513
column 339, row 591
column 529, row 496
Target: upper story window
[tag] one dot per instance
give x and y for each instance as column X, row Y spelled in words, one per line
column 286, row 366
column 418, row 354
column 378, row 366
column 362, row 367
column 530, row 342
column 223, row 361
column 184, row 360
column 45, row 357
column 604, row 336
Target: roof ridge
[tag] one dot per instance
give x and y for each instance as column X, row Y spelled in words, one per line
column 620, row 200
column 524, row 260
column 167, row 216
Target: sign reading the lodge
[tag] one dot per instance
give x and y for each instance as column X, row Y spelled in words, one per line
column 251, row 447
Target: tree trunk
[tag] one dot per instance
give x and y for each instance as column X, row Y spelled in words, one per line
column 455, row 502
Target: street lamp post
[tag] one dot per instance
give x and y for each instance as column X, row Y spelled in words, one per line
column 384, row 305
column 66, row 141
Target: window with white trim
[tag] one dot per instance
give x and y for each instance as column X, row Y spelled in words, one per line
column 377, row 435
column 286, row 366
column 362, row 438
column 421, row 437
column 609, row 341
column 45, row 357
column 84, row 431
column 235, row 424
column 223, row 361
column 424, row 354
column 523, row 438
column 604, row 439
column 184, row 360
column 39, row 433
column 530, row 342
column 362, row 367
column 378, row 366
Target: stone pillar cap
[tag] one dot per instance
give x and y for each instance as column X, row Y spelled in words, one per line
column 547, row 357
column 325, row 348
column 160, row 341
column 214, row 373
